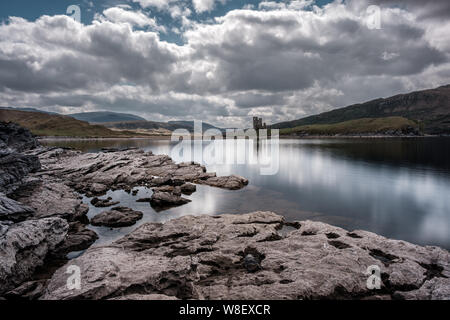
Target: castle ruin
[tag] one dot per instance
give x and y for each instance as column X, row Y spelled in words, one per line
column 258, row 124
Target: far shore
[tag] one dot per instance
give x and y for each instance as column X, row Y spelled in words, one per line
column 57, row 138
column 359, row 136
column 306, row 137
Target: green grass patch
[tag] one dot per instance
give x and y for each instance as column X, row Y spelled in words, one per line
column 353, row 127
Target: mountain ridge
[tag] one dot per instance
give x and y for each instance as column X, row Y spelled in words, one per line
column 430, row 107
column 44, row 124
column 105, row 116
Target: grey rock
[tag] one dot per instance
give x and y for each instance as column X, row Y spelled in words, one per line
column 13, row 168
column 16, row 137
column 232, row 182
column 103, row 203
column 117, row 217
column 207, row 257
column 24, row 246
column 12, row 210
column 166, row 199
column 435, row 289
column 31, row 290
column 14, row 165
column 78, row 238
column 188, row 188
column 95, row 173
column 251, row 263
column 53, row 199
column 164, row 188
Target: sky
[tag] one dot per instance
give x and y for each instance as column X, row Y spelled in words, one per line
column 220, row 61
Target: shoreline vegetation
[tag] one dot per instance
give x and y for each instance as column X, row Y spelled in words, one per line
column 389, row 126
column 249, row 256
column 52, row 127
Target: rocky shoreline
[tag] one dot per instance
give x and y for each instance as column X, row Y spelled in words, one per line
column 249, row 256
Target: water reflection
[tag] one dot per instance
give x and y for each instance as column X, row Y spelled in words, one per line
column 395, row 187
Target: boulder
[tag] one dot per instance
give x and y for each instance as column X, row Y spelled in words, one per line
column 117, row 217
column 188, row 188
column 161, row 199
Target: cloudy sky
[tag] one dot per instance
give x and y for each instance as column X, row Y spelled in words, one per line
column 220, row 61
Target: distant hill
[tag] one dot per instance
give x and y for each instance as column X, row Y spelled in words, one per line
column 153, row 125
column 429, row 107
column 189, row 125
column 43, row 124
column 28, row 109
column 393, row 126
column 105, row 116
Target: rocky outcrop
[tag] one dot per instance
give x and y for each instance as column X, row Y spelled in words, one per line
column 14, row 165
column 13, row 168
column 117, row 218
column 24, row 246
column 31, row 208
column 14, row 211
column 251, row 256
column 16, row 137
column 52, row 199
column 95, row 173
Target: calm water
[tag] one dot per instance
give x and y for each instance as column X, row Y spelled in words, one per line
column 399, row 188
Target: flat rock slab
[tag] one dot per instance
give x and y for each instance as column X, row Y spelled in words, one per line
column 247, row 257
column 117, row 218
column 232, row 182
